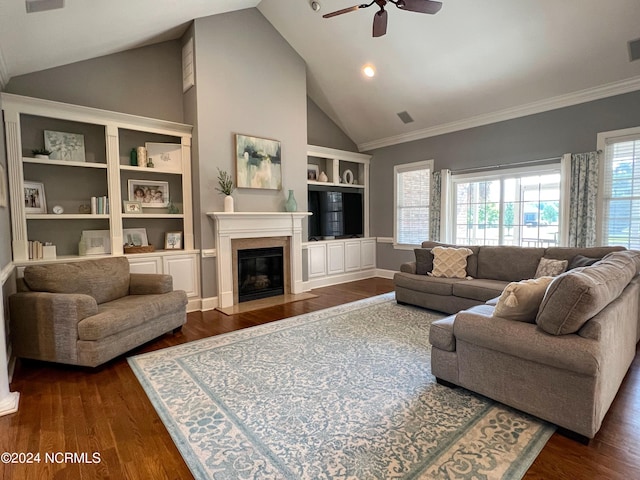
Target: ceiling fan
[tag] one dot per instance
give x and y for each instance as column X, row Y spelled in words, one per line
column 380, row 18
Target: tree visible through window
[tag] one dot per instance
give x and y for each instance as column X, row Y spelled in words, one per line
column 511, row 209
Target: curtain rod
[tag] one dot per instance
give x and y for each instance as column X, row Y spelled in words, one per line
column 508, row 165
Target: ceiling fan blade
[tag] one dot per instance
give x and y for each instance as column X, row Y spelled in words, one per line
column 420, row 6
column 380, row 23
column 344, row 10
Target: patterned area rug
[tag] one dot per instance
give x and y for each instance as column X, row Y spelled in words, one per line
column 342, row 393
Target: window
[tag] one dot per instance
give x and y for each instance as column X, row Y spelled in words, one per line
column 620, row 173
column 412, row 201
column 513, row 207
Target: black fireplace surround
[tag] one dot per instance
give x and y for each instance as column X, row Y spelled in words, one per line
column 260, row 273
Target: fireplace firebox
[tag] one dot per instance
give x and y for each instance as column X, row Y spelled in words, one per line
column 260, row 273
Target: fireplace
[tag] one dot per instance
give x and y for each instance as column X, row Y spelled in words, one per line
column 260, row 273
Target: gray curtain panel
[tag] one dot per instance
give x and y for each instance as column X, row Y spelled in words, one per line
column 434, row 213
column 582, row 199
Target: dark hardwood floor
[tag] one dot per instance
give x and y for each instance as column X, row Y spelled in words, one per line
column 105, row 411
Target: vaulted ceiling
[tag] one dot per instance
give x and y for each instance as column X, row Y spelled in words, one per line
column 474, row 62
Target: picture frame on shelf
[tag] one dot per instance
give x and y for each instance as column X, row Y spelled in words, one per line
column 150, row 193
column 165, row 156
column 34, row 197
column 136, row 237
column 258, row 162
column 3, row 187
column 312, row 172
column 65, row 146
column 173, row 241
column 132, row 206
column 94, row 242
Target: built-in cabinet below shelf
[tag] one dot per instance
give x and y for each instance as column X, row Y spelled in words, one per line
column 337, row 261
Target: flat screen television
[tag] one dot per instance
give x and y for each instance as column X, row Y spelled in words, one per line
column 337, row 212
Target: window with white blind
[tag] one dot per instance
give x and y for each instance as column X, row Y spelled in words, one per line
column 620, row 188
column 412, row 194
column 511, row 207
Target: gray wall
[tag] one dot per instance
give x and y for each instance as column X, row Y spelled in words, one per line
column 144, row 81
column 249, row 80
column 545, row 135
column 324, row 132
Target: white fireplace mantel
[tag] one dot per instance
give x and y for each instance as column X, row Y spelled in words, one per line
column 234, row 225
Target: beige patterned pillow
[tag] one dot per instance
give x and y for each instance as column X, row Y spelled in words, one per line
column 449, row 262
column 521, row 300
column 549, row 267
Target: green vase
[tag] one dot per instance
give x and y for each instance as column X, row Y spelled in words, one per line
column 291, row 205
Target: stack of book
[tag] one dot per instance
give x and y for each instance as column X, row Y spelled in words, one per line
column 99, row 205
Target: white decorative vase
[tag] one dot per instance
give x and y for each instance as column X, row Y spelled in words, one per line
column 323, row 177
column 42, row 157
column 228, row 203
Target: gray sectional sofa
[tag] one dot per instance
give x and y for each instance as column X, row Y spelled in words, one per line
column 567, row 366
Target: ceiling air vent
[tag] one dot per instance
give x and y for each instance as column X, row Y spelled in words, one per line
column 43, row 5
column 405, row 117
column 634, row 49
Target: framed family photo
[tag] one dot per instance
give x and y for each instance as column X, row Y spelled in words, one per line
column 136, row 237
column 150, row 193
column 130, row 206
column 34, row 199
column 173, row 241
column 258, row 162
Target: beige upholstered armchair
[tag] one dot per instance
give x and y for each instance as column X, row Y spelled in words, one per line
column 88, row 312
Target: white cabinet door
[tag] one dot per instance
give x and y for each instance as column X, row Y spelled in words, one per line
column 184, row 270
column 335, row 254
column 145, row 264
column 317, row 257
column 352, row 255
column 368, row 254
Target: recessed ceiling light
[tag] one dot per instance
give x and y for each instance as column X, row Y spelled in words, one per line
column 43, row 5
column 369, row 71
column 315, row 6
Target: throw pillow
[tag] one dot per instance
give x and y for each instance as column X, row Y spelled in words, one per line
column 582, row 261
column 424, row 260
column 449, row 262
column 548, row 267
column 521, row 300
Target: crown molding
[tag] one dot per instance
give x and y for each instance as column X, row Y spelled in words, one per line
column 4, row 72
column 553, row 103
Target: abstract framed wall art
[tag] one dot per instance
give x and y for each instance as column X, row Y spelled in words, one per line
column 64, row 146
column 258, row 162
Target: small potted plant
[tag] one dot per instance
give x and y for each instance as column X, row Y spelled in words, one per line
column 225, row 187
column 41, row 153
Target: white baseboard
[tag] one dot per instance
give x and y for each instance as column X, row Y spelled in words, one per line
column 209, row 303
column 381, row 272
column 337, row 279
column 194, row 304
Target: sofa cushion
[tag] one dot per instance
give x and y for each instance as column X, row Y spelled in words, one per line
column 479, row 289
column 577, row 295
column 521, row 300
column 582, row 261
column 548, row 267
column 424, row 260
column 422, row 283
column 129, row 312
column 508, row 263
column 105, row 279
column 449, row 262
column 568, row 253
column 472, row 260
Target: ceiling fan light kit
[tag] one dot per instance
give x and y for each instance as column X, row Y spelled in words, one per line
column 430, row 7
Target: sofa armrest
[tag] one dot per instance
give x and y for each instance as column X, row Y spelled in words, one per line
column 44, row 325
column 525, row 340
column 150, row 283
column 409, row 267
